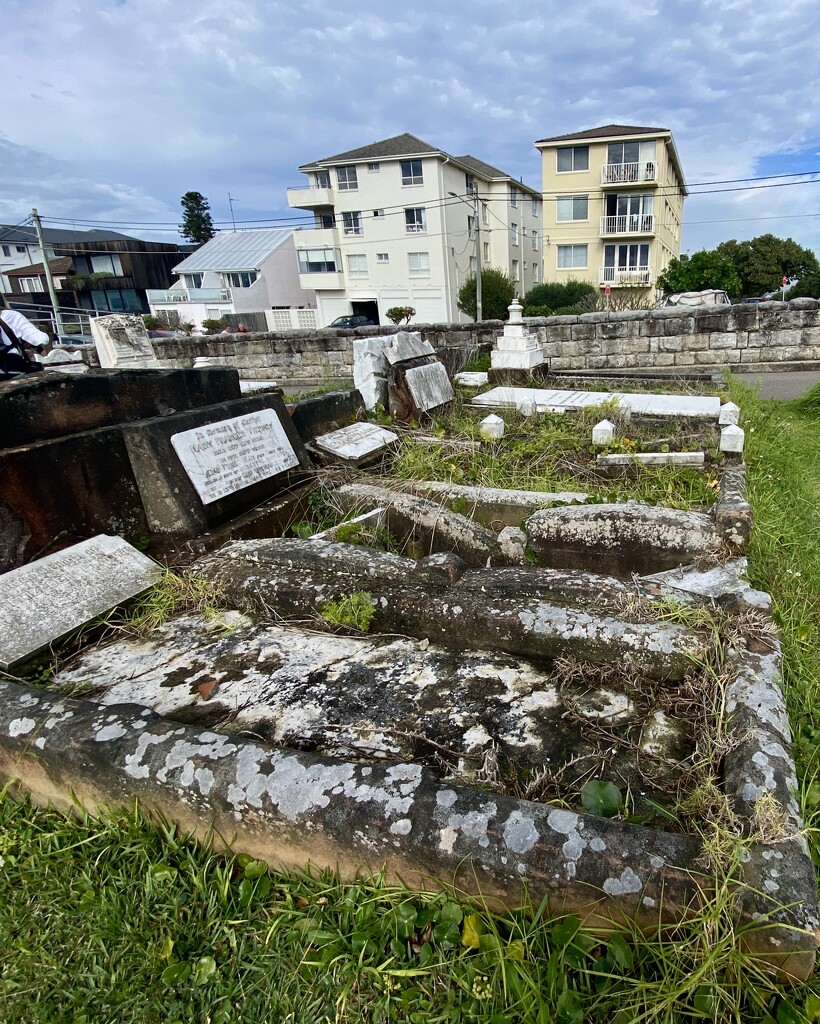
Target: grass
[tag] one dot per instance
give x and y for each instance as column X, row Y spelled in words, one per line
column 117, row 920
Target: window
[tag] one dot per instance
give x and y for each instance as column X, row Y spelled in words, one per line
column 323, row 179
column 470, row 226
column 622, row 153
column 486, row 252
column 106, row 264
column 382, row 257
column 534, row 240
column 415, row 220
column 357, row 266
column 472, row 264
column 317, row 261
column 373, row 168
column 346, row 178
column 572, row 208
column 378, row 213
column 419, row 264
column 469, row 182
column 21, row 248
column 513, row 197
column 572, row 256
column 411, row 173
column 535, row 210
column 31, row 284
column 513, row 233
column 192, row 280
column 7, row 250
column 485, row 214
column 572, row 158
column 535, row 271
column 515, row 274
column 241, row 278
column 325, row 220
column 352, row 221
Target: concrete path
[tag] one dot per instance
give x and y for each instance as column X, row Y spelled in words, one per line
column 791, row 384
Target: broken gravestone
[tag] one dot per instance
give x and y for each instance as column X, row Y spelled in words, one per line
column 48, row 599
column 358, row 444
column 122, row 341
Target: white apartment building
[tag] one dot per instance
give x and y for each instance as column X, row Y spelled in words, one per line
column 613, row 206
column 399, row 223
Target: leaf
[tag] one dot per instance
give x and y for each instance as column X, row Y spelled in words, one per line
column 176, row 973
column 787, row 1013
column 167, row 948
column 704, row 1001
column 206, row 689
column 472, row 931
column 451, row 913
column 162, row 873
column 205, row 969
column 255, row 869
column 446, row 934
column 565, row 931
column 619, row 952
column 601, row 798
column 569, row 1007
column 811, row 1008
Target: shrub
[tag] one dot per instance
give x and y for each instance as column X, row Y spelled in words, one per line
column 214, row 326
column 397, row 314
column 497, row 292
column 555, row 294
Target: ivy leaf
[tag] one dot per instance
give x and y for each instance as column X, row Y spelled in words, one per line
column 601, row 798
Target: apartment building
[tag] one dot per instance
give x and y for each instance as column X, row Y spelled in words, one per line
column 613, row 206
column 400, row 222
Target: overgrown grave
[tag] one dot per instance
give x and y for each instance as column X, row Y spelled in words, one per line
column 458, row 703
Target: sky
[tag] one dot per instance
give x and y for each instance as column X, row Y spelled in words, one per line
column 112, row 109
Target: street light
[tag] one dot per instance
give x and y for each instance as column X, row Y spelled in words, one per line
column 478, row 307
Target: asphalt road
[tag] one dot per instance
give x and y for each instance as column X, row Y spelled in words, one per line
column 791, row 384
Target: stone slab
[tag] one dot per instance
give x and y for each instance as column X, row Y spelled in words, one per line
column 323, row 413
column 122, row 341
column 358, row 443
column 48, row 599
column 471, row 379
column 516, row 359
column 407, row 345
column 652, row 459
column 226, row 456
column 429, row 385
column 639, row 404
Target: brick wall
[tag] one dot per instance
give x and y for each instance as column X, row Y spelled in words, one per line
column 774, row 334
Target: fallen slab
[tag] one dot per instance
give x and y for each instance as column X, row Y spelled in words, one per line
column 548, row 399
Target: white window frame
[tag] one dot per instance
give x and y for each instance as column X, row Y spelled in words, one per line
column 470, row 226
column 382, row 257
column 513, row 196
column 422, row 264
column 322, row 179
column 31, row 285
column 356, row 265
column 570, row 257
column 576, row 152
column 535, row 239
column 516, row 270
column 485, row 213
column 513, row 233
column 347, row 180
column 535, row 207
column 571, row 205
column 486, row 251
column 412, row 172
column 417, row 223
column 352, row 222
column 373, row 168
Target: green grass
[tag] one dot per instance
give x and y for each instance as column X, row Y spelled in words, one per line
column 119, row 921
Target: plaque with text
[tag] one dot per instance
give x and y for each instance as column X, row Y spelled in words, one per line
column 224, row 457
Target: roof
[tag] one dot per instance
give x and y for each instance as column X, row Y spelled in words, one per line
column 15, row 233
column 397, row 145
column 235, row 250
column 62, row 265
column 410, row 145
column 606, row 131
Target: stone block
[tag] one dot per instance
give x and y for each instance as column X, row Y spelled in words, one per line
column 52, row 597
column 805, row 303
column 491, row 427
column 582, row 331
column 673, row 344
column 358, row 444
column 731, row 439
column 723, row 341
column 406, row 345
column 603, row 432
column 312, row 416
column 612, row 329
column 199, row 469
column 729, row 413
column 663, row 359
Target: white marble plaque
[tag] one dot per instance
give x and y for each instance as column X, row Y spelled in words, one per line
column 429, row 385
column 122, row 340
column 404, row 345
column 46, row 600
column 357, row 441
column 222, row 458
column 639, row 404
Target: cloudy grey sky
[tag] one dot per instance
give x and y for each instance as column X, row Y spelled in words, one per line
column 112, row 109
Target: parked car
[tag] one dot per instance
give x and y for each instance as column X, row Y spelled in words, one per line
column 708, row 297
column 757, row 298
column 352, row 321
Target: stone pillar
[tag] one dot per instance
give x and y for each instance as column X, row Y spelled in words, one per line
column 518, row 347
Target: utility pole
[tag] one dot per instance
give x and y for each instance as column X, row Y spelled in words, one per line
column 478, row 307
column 38, row 227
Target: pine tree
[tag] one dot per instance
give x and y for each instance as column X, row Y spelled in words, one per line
column 196, row 225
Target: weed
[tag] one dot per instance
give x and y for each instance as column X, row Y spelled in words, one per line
column 355, row 611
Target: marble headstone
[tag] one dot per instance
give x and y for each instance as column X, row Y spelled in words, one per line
column 358, row 443
column 429, row 386
column 122, row 341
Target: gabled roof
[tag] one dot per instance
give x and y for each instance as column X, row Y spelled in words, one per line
column 62, row 265
column 606, row 131
column 397, row 145
column 472, row 163
column 13, row 233
column 235, row 250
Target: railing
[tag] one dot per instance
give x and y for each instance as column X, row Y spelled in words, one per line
column 76, row 323
column 625, row 276
column 189, row 295
column 628, row 224
column 624, row 174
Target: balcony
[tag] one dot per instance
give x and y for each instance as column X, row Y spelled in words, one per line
column 628, row 224
column 322, row 282
column 630, row 174
column 305, row 197
column 625, row 277
column 316, row 238
column 189, row 295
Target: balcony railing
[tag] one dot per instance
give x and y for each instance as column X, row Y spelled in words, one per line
column 625, row 277
column 628, row 224
column 308, row 196
column 625, row 174
column 190, row 295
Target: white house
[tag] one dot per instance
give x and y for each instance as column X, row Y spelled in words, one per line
column 398, row 222
column 241, row 272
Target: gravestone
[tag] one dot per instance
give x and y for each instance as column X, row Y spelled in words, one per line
column 122, row 341
column 413, row 390
column 518, row 347
column 551, row 400
column 471, row 379
column 224, row 457
column 405, row 346
column 370, row 370
column 732, row 438
column 357, row 444
column 60, row 361
column 48, row 599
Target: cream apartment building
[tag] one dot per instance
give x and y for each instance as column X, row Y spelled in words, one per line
column 403, row 223
column 613, row 206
